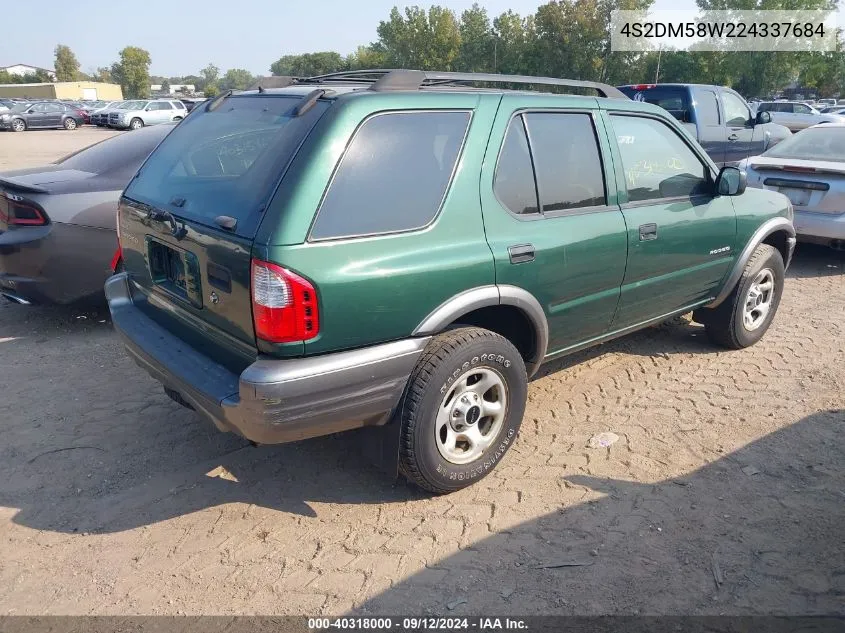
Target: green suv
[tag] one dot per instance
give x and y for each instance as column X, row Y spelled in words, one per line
column 402, row 250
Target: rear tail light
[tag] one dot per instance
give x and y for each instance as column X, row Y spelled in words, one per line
column 284, row 305
column 20, row 212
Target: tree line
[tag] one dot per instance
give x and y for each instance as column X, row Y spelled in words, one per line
column 571, row 38
column 132, row 72
column 562, row 38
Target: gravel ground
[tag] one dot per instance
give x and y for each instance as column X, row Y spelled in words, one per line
column 725, row 492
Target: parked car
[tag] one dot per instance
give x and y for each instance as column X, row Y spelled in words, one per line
column 40, row 115
column 100, row 116
column 137, row 114
column 796, row 115
column 809, row 169
column 57, row 222
column 834, row 109
column 717, row 117
column 826, row 102
column 341, row 254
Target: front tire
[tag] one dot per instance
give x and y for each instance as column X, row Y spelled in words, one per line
column 18, row 125
column 69, row 124
column 746, row 314
column 461, row 410
column 136, row 124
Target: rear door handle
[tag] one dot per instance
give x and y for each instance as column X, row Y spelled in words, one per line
column 648, row 232
column 733, row 137
column 521, row 253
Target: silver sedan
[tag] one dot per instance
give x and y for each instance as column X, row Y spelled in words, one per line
column 809, row 169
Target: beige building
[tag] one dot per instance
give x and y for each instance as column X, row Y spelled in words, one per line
column 88, row 90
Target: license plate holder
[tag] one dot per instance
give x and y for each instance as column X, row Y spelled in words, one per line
column 175, row 271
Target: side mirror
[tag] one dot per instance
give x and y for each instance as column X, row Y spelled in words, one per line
column 731, row 182
column 763, row 117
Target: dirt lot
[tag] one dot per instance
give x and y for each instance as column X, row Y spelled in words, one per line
column 724, row 494
column 39, row 147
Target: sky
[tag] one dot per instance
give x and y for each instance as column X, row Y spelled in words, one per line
column 183, row 37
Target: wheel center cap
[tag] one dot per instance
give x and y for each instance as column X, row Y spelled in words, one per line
column 473, row 414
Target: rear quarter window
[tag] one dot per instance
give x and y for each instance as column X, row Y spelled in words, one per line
column 394, row 174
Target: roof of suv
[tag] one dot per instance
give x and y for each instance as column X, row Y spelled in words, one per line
column 382, row 80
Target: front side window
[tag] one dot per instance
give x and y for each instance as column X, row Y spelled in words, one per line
column 657, row 162
column 736, row 112
column 566, row 160
column 800, row 108
column 393, row 176
column 514, row 181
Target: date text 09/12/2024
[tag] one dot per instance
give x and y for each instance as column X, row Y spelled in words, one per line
column 418, row 624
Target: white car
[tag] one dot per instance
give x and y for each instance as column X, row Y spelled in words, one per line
column 796, row 115
column 809, row 169
column 138, row 114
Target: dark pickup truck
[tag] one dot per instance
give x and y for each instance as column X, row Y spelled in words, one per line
column 717, row 117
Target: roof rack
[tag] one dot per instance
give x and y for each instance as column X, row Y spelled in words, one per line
column 382, row 80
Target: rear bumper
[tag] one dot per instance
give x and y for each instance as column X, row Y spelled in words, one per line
column 55, row 263
column 820, row 225
column 272, row 401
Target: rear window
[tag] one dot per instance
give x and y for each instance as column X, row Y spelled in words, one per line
column 120, row 153
column 816, row 143
column 227, row 161
column 393, row 176
column 673, row 99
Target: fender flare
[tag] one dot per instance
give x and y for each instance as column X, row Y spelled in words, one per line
column 768, row 227
column 484, row 296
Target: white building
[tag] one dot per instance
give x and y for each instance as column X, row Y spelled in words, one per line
column 26, row 69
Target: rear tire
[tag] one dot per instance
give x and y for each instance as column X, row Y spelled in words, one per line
column 462, row 409
column 746, row 314
column 136, row 124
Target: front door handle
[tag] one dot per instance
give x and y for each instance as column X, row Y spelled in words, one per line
column 648, row 232
column 521, row 253
column 733, row 137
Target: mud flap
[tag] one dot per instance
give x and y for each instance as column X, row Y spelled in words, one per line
column 380, row 445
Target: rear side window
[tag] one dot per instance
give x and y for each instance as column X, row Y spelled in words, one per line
column 566, row 160
column 393, row 176
column 706, row 106
column 227, row 161
column 514, row 182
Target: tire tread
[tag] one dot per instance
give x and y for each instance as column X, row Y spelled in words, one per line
column 436, row 353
